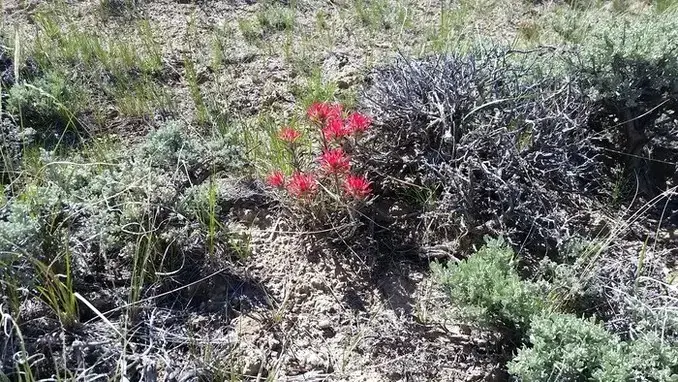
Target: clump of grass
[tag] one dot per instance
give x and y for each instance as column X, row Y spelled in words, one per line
column 276, row 18
column 141, row 98
column 46, row 106
column 196, row 94
column 220, row 40
column 316, row 89
column 250, row 31
column 59, row 43
column 57, row 290
column 529, row 31
column 97, row 66
column 450, row 29
column 380, row 15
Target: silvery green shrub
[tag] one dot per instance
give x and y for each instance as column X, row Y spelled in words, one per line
column 564, row 347
column 487, row 289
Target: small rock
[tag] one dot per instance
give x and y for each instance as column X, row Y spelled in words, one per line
column 317, row 283
column 343, row 83
column 312, row 360
column 324, row 324
column 274, row 344
column 303, row 343
column 251, row 367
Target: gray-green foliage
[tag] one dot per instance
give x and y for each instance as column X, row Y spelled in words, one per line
column 590, row 278
column 648, row 358
column 12, row 140
column 563, row 348
column 42, row 104
column 566, row 348
column 567, row 283
column 487, row 288
column 631, row 61
column 195, row 203
column 108, row 199
column 28, row 221
column 18, row 231
column 157, row 181
column 175, row 146
column 628, row 68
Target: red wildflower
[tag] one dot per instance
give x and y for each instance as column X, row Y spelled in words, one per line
column 335, row 129
column 323, row 112
column 288, row 134
column 335, row 161
column 302, row 185
column 357, row 186
column 358, row 123
column 276, row 179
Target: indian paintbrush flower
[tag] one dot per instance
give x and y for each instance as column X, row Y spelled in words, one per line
column 335, row 161
column 357, row 186
column 302, row 185
column 358, row 123
column 289, row 134
column 276, row 179
column 335, row 129
column 322, row 112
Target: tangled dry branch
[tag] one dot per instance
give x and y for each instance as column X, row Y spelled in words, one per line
column 507, row 147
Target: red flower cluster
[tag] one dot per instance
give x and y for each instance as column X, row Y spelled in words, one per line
column 302, row 185
column 330, row 118
column 334, row 127
column 357, row 186
column 321, row 112
column 358, row 123
column 335, row 161
column 289, row 135
column 276, row 179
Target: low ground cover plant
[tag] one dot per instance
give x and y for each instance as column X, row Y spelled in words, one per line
column 564, row 347
column 488, row 291
column 137, row 216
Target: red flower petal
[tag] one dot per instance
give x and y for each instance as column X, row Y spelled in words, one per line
column 358, row 123
column 302, row 185
column 276, row 179
column 357, row 186
column 335, row 129
column 335, row 161
column 289, row 134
